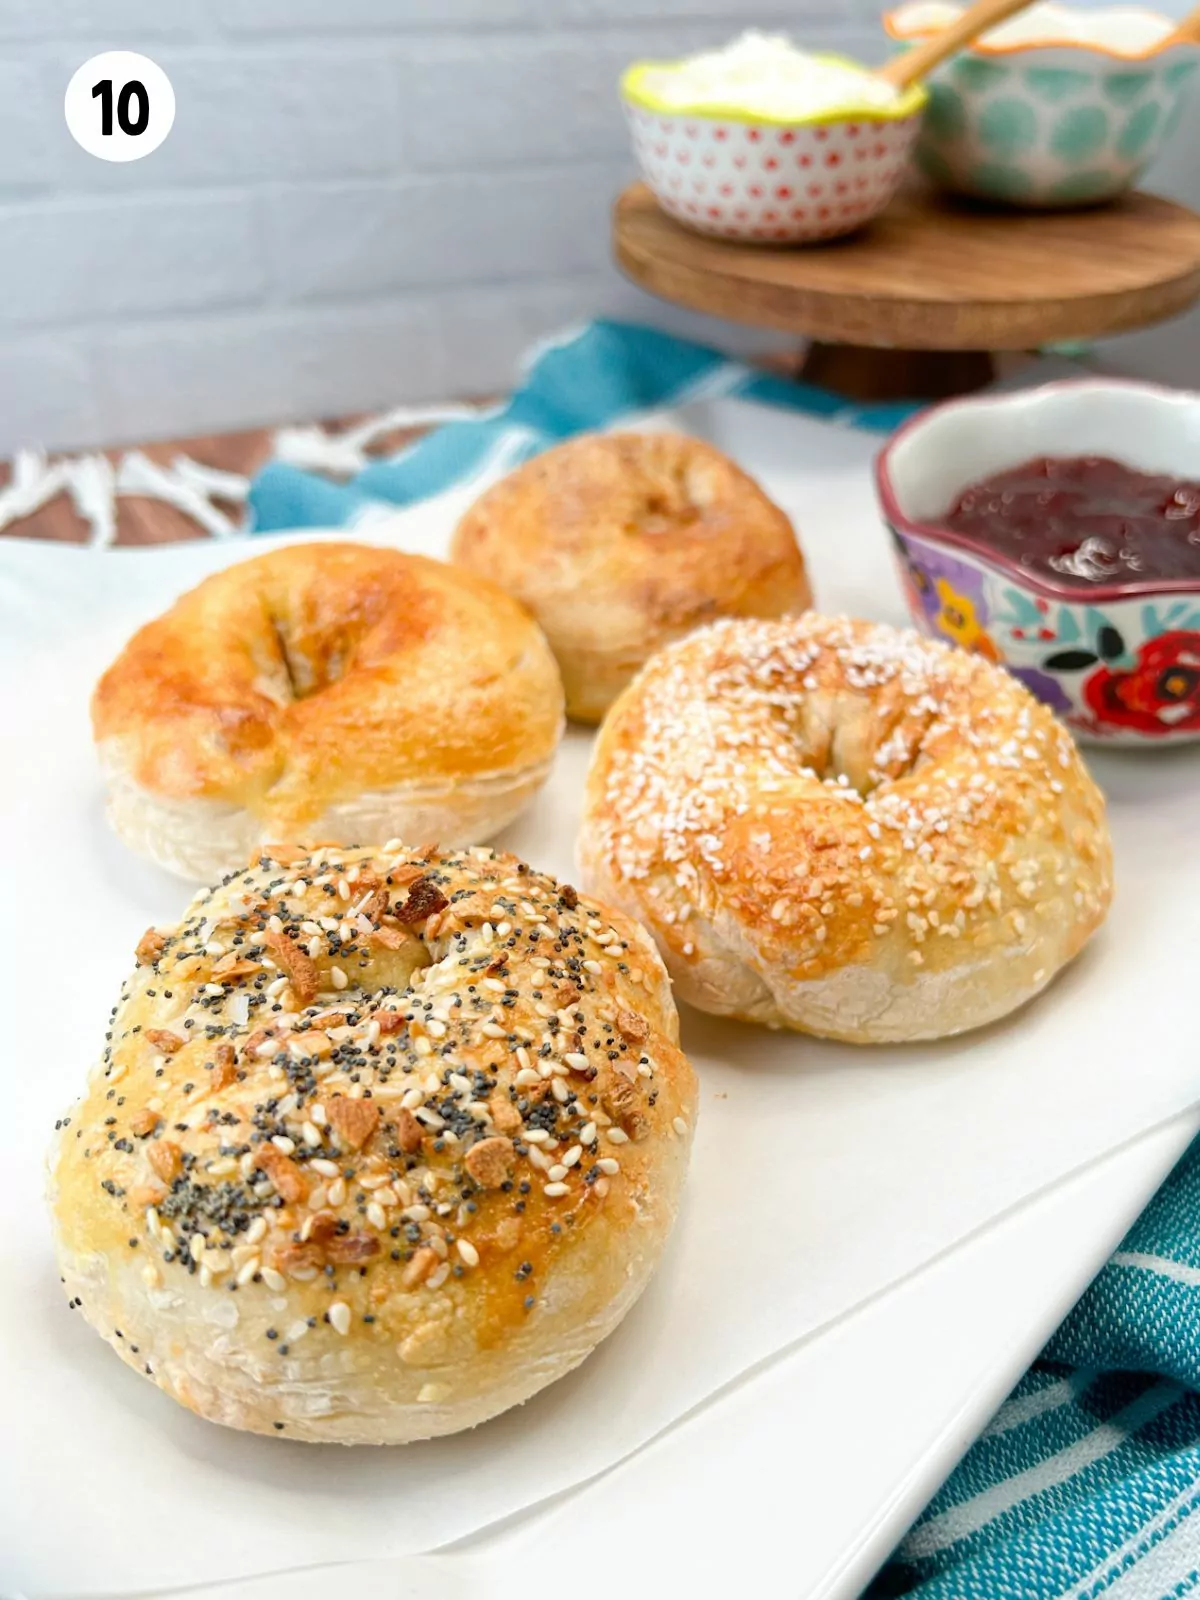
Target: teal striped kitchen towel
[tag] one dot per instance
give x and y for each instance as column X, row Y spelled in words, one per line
column 591, row 377
column 1085, row 1482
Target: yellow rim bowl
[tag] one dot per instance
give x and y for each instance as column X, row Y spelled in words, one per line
column 633, row 88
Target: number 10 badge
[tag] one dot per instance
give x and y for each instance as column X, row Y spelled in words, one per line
column 119, row 106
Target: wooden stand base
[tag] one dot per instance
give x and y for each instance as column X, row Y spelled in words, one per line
column 861, row 372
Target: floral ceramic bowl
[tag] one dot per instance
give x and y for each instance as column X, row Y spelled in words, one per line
column 1058, row 107
column 1120, row 662
column 721, row 171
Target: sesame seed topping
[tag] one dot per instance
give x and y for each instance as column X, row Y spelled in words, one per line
column 829, row 785
column 350, row 1107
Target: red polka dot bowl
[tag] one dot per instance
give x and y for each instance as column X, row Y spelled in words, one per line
column 760, row 181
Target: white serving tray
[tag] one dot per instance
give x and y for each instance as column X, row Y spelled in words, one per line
column 828, row 1454
column 903, row 1154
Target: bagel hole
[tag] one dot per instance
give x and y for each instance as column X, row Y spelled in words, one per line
column 400, row 970
column 305, row 672
column 677, row 495
column 862, row 745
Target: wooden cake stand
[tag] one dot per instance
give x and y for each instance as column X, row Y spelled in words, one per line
column 917, row 304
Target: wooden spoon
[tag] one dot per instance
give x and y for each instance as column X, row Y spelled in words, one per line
column 911, row 66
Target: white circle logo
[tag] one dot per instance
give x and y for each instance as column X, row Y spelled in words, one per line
column 119, row 106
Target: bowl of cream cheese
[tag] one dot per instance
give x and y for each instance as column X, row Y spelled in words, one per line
column 766, row 143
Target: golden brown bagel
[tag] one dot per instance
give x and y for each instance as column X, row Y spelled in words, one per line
column 619, row 543
column 325, row 691
column 844, row 828
column 382, row 1143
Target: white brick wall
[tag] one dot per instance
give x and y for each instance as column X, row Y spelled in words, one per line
column 361, row 201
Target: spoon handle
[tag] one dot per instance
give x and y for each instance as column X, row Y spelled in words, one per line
column 1188, row 31
column 904, row 70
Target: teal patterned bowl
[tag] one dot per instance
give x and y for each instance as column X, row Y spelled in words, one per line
column 1030, row 119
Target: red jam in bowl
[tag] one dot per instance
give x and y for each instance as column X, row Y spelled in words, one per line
column 1080, row 521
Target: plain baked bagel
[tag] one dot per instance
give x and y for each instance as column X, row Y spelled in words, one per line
column 844, row 828
column 325, row 691
column 381, row 1144
column 619, row 543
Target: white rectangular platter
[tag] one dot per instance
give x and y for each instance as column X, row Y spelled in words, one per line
column 801, row 1478
column 877, row 1160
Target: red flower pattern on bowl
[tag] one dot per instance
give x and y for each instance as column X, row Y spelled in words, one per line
column 1161, row 694
column 1119, row 660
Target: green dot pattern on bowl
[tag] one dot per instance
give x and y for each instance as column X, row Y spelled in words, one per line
column 1079, row 133
column 1124, row 87
column 1137, row 133
column 1052, row 84
column 1006, row 127
column 979, row 76
column 945, row 117
column 1051, row 130
column 1081, row 187
column 1000, row 182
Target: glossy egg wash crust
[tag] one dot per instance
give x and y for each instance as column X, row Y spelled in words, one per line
column 325, row 691
column 381, row 1143
column 843, row 828
column 619, row 543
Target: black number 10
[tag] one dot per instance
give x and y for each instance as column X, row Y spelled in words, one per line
column 133, row 90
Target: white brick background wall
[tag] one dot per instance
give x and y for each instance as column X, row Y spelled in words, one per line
column 361, row 201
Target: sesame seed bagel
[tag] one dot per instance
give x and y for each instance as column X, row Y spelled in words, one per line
column 619, row 543
column 381, row 1144
column 843, row 828
column 328, row 691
